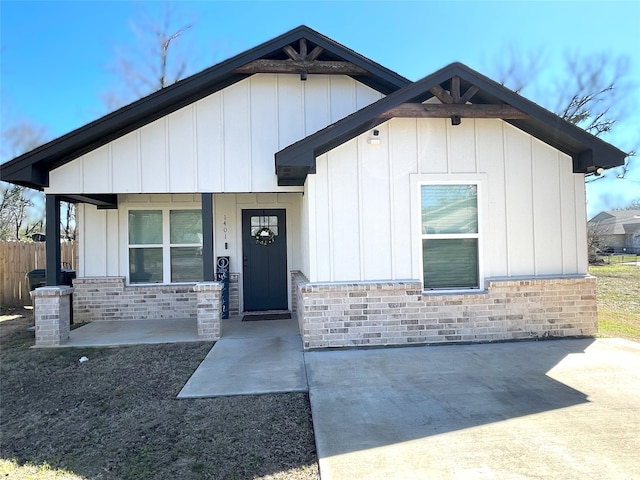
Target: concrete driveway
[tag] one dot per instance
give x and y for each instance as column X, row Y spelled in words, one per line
column 561, row 409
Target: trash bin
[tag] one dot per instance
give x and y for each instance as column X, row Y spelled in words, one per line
column 67, row 276
column 38, row 277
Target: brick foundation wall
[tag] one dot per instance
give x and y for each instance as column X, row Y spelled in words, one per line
column 295, row 274
column 398, row 313
column 107, row 298
column 234, row 294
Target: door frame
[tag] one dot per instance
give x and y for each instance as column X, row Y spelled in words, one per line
column 282, row 210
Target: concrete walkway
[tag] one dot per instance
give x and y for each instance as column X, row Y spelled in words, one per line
column 251, row 358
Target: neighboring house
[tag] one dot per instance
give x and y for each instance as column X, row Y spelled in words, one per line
column 617, row 231
column 379, row 211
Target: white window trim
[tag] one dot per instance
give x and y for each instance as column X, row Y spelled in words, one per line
column 417, row 181
column 165, row 245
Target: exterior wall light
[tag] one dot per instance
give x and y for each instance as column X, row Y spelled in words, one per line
column 375, row 140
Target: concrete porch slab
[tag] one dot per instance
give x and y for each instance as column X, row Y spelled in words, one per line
column 135, row 332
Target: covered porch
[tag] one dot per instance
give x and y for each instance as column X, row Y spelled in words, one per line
column 137, row 332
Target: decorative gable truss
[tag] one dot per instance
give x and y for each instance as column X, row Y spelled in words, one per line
column 455, row 92
column 303, row 62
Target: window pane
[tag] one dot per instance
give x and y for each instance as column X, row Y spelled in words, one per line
column 448, row 209
column 145, row 265
column 264, row 221
column 186, row 264
column 450, row 263
column 185, row 226
column 145, row 227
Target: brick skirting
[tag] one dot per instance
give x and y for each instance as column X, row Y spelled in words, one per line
column 398, row 313
column 107, row 298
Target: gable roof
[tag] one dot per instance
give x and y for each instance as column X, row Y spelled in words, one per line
column 279, row 54
column 617, row 222
column 487, row 97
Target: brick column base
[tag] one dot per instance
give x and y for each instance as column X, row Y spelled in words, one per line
column 209, row 310
column 52, row 308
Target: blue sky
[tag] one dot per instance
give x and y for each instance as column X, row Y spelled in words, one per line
column 56, row 56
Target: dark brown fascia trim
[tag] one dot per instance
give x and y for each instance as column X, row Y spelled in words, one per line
column 102, row 201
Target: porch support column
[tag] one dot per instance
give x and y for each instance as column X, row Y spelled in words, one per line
column 209, row 310
column 52, row 307
column 207, row 238
column 52, row 230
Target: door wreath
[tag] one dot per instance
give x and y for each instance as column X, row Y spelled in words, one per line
column 265, row 236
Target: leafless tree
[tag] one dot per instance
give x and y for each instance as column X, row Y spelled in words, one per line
column 156, row 60
column 14, row 206
column 18, row 218
column 68, row 229
column 21, row 136
column 592, row 91
column 594, row 240
column 633, row 205
column 517, row 68
column 592, row 99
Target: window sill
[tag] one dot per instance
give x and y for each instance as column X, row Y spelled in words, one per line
column 469, row 291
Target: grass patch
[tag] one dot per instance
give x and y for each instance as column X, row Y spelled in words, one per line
column 11, row 469
column 618, row 293
column 116, row 416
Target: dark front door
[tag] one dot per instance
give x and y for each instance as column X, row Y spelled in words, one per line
column 264, row 251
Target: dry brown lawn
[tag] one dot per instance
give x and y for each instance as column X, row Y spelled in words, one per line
column 116, row 416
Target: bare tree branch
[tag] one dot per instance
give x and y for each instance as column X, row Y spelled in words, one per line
column 156, row 59
column 593, row 91
column 520, row 68
column 591, row 97
column 17, row 215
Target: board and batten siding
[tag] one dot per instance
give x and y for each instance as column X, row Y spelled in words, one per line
column 358, row 205
column 103, row 241
column 224, row 142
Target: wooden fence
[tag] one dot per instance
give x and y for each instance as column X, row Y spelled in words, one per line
column 19, row 258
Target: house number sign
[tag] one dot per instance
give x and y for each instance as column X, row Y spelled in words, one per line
column 225, row 230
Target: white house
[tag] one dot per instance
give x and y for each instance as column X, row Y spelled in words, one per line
column 377, row 210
